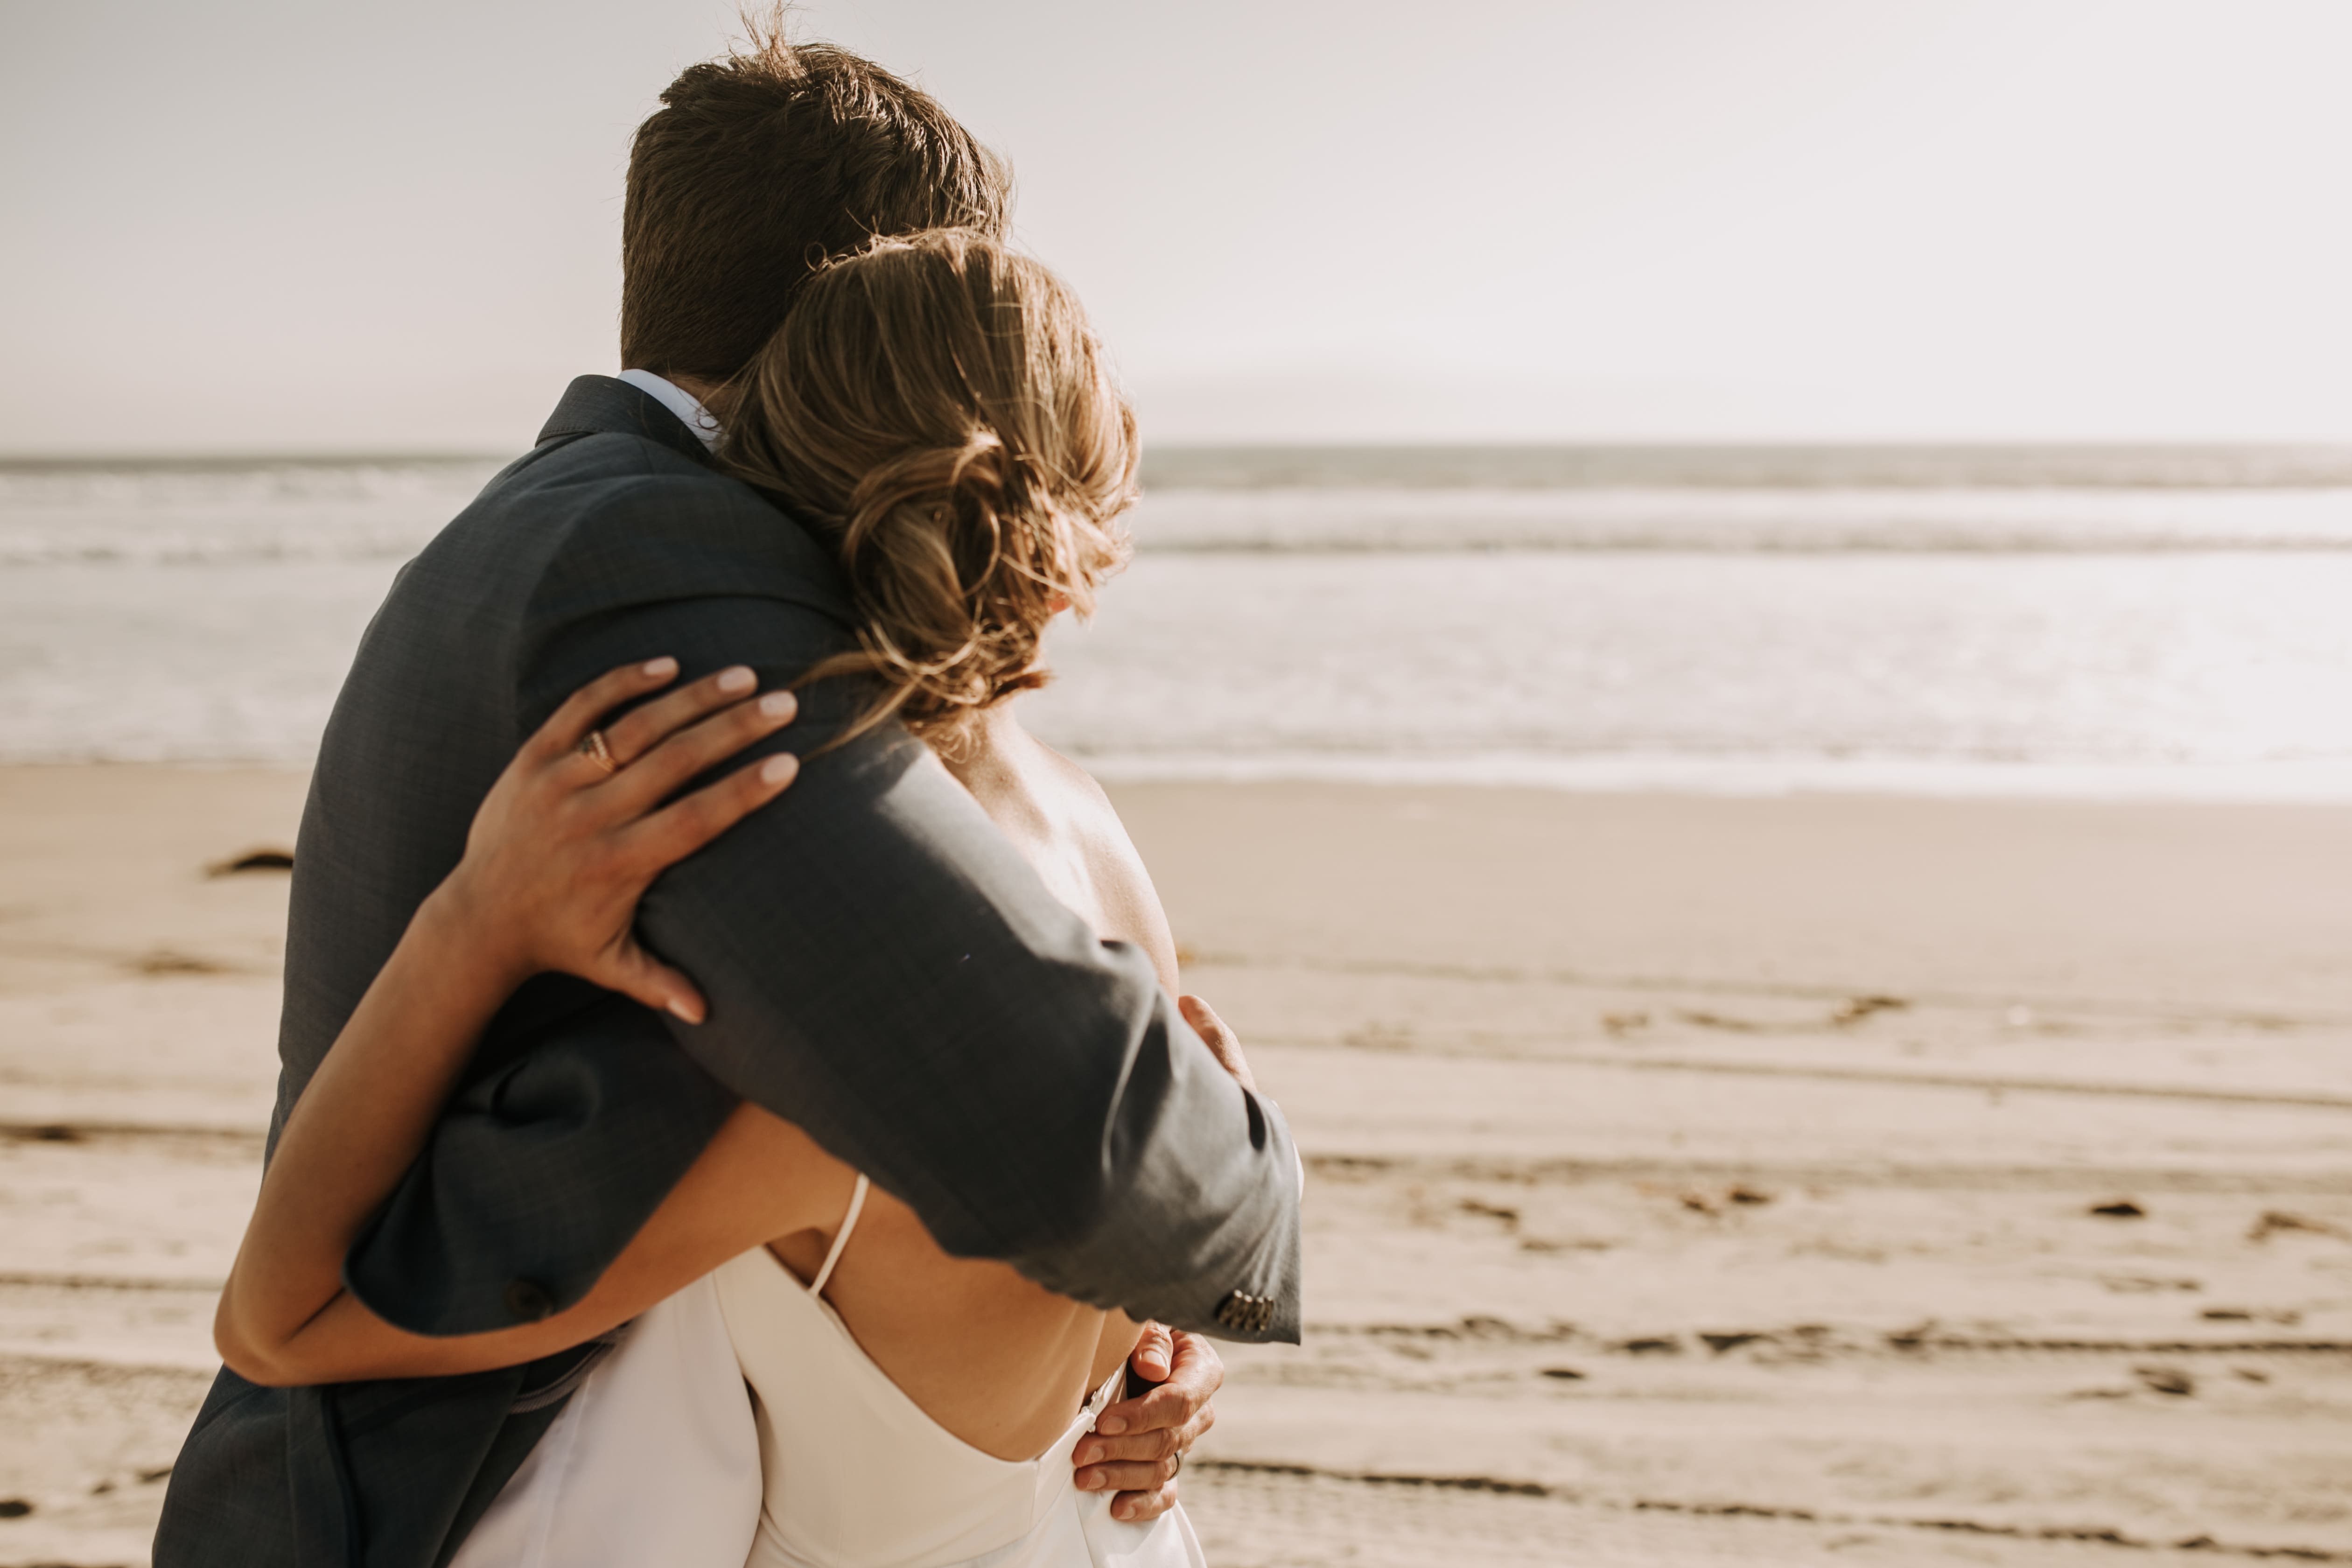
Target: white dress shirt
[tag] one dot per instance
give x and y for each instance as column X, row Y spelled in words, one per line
column 679, row 401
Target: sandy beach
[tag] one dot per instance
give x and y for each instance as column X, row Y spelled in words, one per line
column 1888, row 1181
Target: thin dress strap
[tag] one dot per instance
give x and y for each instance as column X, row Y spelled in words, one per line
column 841, row 1237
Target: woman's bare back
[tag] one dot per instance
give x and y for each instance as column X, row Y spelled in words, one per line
column 994, row 1359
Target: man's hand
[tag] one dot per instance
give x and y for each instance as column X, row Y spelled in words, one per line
column 1139, row 1445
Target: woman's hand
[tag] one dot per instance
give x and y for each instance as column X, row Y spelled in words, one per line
column 563, row 846
column 558, row 857
column 1219, row 1037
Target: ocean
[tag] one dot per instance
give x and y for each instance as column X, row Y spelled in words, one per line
column 2168, row 622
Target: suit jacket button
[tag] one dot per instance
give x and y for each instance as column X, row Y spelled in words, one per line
column 1246, row 1313
column 528, row 1299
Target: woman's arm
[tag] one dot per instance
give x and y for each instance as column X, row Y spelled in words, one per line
column 761, row 1178
column 553, row 868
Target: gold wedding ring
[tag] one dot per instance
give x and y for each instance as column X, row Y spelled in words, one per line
column 595, row 749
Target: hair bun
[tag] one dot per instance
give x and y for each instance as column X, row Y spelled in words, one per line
column 938, row 409
column 985, row 474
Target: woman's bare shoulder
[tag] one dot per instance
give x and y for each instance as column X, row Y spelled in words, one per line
column 1130, row 905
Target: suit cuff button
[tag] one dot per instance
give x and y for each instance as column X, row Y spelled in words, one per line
column 1244, row 1313
column 529, row 1301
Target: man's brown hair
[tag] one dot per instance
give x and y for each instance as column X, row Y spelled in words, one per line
column 759, row 166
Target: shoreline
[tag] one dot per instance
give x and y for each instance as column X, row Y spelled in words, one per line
column 1694, row 1176
column 1760, row 777
column 1630, row 775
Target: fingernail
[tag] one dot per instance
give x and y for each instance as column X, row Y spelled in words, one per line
column 1090, row 1483
column 1087, row 1453
column 778, row 770
column 1111, row 1426
column 779, row 704
column 683, row 1010
column 739, row 678
column 660, row 668
column 1155, row 1365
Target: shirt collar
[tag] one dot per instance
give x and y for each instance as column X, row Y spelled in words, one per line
column 679, row 401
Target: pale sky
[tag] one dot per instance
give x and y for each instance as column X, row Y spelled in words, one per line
column 270, row 226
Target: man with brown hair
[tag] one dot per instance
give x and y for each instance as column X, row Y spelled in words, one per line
column 758, row 167
column 882, row 968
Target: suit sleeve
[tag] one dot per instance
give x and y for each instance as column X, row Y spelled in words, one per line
column 884, row 970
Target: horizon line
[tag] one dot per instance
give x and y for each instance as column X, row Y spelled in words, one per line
column 236, row 457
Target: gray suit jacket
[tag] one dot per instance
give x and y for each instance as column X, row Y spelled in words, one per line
column 882, row 968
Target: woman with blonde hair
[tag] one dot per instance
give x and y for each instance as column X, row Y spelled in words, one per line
column 936, row 410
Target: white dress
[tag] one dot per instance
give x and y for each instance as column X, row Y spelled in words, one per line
column 661, row 1459
column 654, row 1463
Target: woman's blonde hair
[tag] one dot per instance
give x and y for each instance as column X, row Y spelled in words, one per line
column 937, row 408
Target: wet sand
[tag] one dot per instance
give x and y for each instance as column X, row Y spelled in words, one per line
column 1694, row 1180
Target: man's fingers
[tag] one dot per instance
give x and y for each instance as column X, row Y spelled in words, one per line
column 1154, row 1354
column 1165, row 1408
column 1136, row 1447
column 1140, row 1506
column 570, row 724
column 1129, row 1478
column 697, row 748
column 1139, row 1445
column 1196, row 1364
column 1222, row 1043
column 1195, row 1372
column 676, row 831
column 641, row 729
